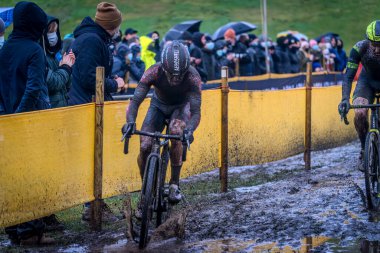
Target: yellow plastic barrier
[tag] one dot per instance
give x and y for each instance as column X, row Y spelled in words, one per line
column 265, row 125
column 47, row 162
column 47, row 157
column 327, row 129
column 120, row 172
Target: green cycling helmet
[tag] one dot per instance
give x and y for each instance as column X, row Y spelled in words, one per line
column 373, row 31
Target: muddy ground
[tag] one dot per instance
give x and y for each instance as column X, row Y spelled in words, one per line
column 287, row 210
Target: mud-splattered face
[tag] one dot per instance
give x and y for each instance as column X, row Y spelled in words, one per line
column 174, row 79
column 375, row 46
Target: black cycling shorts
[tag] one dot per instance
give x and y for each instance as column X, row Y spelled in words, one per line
column 366, row 87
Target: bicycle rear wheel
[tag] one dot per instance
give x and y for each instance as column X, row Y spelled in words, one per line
column 371, row 170
column 147, row 199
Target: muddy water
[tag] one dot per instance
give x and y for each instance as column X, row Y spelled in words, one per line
column 317, row 211
column 316, row 244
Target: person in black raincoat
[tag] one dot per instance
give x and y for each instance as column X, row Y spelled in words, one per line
column 23, row 89
column 91, row 47
column 22, row 66
column 281, row 59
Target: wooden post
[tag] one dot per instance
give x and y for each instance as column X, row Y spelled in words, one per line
column 308, row 84
column 96, row 207
column 224, row 137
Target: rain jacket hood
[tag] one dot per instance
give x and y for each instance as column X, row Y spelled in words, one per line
column 29, row 21
column 49, row 49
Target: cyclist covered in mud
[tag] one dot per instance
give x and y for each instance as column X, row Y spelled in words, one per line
column 176, row 97
column 366, row 52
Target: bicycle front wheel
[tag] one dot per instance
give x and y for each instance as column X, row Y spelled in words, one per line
column 147, row 199
column 371, row 170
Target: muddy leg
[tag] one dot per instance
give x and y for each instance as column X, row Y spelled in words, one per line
column 176, row 127
column 361, row 120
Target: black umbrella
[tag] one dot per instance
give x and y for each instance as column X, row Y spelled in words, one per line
column 326, row 35
column 176, row 31
column 239, row 28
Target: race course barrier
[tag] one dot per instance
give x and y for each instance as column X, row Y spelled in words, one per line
column 47, row 157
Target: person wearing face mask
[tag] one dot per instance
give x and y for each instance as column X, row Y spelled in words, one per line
column 206, row 44
column 58, row 76
column 294, row 46
column 176, row 97
column 92, row 49
column 195, row 52
column 221, row 59
column 304, row 55
column 136, row 66
column 2, row 32
column 281, row 59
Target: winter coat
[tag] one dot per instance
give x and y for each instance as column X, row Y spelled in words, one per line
column 209, row 63
column 294, row 60
column 91, row 49
column 23, row 65
column 245, row 61
column 58, row 77
column 281, row 60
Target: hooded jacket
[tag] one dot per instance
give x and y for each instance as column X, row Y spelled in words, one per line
column 91, row 49
column 23, row 65
column 58, row 77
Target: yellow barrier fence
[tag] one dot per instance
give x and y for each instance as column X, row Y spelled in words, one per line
column 47, row 157
column 47, row 162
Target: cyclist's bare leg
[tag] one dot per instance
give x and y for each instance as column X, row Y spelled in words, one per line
column 176, row 127
column 361, row 120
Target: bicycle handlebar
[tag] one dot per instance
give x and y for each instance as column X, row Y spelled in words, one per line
column 344, row 118
column 185, row 144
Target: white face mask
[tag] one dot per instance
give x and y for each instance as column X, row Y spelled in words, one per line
column 53, row 38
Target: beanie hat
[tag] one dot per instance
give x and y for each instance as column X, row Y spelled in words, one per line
column 2, row 26
column 230, row 33
column 107, row 16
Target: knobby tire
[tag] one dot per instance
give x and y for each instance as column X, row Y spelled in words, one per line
column 371, row 168
column 147, row 201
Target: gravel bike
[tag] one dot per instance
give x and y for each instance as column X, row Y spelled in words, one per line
column 154, row 191
column 371, row 155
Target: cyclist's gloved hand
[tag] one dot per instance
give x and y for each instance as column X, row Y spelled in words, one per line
column 128, row 129
column 344, row 107
column 188, row 136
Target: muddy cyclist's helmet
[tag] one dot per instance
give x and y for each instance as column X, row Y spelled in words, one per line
column 373, row 31
column 175, row 59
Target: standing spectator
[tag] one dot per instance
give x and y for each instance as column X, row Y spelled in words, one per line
column 123, row 47
column 223, row 60
column 23, row 89
column 341, row 54
column 155, row 46
column 208, row 51
column 281, row 59
column 92, row 49
column 58, row 78
column 304, row 55
column 2, row 32
column 293, row 56
column 239, row 53
column 136, row 66
column 195, row 54
column 148, row 53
